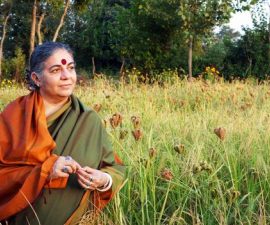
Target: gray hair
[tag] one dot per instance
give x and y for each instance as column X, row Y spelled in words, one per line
column 40, row 54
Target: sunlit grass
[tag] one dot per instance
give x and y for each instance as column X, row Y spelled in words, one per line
column 193, row 177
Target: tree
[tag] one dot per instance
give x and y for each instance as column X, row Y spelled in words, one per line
column 53, row 9
column 42, row 8
column 246, row 57
column 90, row 32
column 199, row 18
column 215, row 50
column 261, row 18
column 143, row 34
column 67, row 3
column 33, row 28
column 6, row 10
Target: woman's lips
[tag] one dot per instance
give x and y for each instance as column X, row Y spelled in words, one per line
column 65, row 85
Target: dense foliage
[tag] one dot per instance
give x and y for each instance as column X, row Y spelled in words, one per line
column 151, row 35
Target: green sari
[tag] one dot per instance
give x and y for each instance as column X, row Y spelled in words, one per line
column 78, row 132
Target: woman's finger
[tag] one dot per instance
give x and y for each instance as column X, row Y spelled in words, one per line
column 72, row 164
column 86, row 186
column 82, row 172
column 88, row 169
column 60, row 174
column 67, row 169
column 76, row 164
column 88, row 181
column 99, row 178
column 84, row 179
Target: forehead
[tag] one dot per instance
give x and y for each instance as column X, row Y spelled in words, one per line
column 58, row 57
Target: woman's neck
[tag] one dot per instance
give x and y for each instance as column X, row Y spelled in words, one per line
column 53, row 106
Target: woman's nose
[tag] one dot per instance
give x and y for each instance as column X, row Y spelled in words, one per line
column 65, row 74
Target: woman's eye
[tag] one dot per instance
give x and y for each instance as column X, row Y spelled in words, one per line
column 55, row 70
column 71, row 67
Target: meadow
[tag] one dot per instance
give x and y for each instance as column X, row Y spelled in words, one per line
column 196, row 152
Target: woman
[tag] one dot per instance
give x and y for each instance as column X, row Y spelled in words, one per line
column 54, row 152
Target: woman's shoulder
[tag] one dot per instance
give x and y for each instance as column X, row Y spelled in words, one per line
column 85, row 110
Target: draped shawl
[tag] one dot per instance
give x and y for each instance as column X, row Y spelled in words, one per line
column 28, row 150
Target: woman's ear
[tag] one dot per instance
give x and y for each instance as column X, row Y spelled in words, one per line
column 35, row 78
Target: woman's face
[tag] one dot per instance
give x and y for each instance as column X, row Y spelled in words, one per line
column 58, row 78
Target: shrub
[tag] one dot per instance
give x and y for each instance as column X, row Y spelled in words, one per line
column 13, row 68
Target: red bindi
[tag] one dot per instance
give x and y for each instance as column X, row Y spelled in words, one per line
column 63, row 61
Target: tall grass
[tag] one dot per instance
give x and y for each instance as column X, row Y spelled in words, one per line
column 210, row 181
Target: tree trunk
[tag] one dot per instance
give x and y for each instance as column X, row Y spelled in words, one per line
column 61, row 20
column 269, row 33
column 93, row 66
column 33, row 29
column 2, row 42
column 41, row 18
column 190, row 49
column 122, row 69
column 17, row 74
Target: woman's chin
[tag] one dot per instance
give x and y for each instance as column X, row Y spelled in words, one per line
column 65, row 92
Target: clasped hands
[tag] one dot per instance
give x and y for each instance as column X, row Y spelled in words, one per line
column 88, row 178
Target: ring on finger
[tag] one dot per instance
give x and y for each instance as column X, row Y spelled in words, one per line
column 67, row 158
column 65, row 169
column 91, row 179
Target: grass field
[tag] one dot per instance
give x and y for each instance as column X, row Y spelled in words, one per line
column 179, row 170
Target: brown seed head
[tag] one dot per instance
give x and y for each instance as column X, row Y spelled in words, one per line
column 180, row 148
column 220, row 132
column 152, row 152
column 116, row 120
column 97, row 107
column 137, row 134
column 203, row 163
column 254, row 173
column 136, row 121
column 206, row 166
column 196, row 169
column 233, row 194
column 123, row 134
column 167, row 174
column 182, row 103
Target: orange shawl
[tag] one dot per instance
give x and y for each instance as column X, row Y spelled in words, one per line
column 25, row 153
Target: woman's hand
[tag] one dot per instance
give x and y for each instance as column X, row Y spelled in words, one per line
column 90, row 178
column 64, row 166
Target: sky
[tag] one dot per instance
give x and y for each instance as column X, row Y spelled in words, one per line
column 239, row 19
